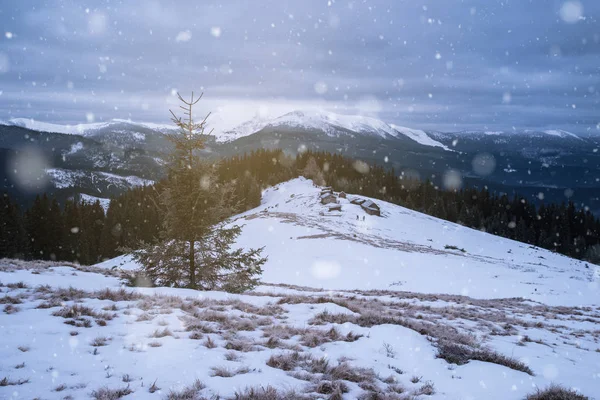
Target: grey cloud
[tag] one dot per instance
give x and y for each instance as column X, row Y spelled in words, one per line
column 121, row 60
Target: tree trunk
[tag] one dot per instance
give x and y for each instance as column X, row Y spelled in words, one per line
column 192, row 265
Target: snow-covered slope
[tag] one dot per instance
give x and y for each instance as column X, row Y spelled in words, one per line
column 402, row 250
column 79, row 335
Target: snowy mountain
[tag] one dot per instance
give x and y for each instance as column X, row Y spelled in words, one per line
column 358, row 307
column 89, row 129
column 527, row 162
column 334, row 125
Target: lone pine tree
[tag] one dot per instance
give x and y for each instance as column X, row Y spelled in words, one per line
column 195, row 247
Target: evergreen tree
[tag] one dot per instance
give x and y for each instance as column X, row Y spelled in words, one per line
column 195, row 247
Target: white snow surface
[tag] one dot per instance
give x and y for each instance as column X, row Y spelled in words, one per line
column 403, row 250
column 104, row 202
column 333, row 253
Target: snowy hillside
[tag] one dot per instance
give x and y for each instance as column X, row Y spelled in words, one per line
column 404, row 250
column 349, row 307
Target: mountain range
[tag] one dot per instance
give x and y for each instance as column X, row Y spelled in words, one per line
column 103, row 159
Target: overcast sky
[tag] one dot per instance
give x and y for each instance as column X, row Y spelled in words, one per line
column 446, row 65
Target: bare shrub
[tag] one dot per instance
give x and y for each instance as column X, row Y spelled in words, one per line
column 161, row 333
column 100, row 341
column 127, row 378
column 10, row 309
column 191, row 392
column 209, row 343
column 155, row 344
column 344, row 371
column 240, row 345
column 17, row 285
column 196, row 336
column 232, row 356
column 105, row 393
column 153, row 388
column 10, row 300
column 24, row 349
column 286, row 361
column 6, row 381
column 328, row 387
column 60, row 387
column 117, row 295
column 145, row 317
column 19, row 366
column 459, row 354
column 267, row 393
column 556, row 392
column 427, row 389
column 75, row 311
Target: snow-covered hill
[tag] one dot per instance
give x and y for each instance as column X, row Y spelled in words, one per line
column 356, row 306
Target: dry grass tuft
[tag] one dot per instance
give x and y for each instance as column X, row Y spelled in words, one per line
column 106, row 393
column 556, row 392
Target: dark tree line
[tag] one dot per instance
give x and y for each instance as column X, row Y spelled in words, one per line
column 45, row 230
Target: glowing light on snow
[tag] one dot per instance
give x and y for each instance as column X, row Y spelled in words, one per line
column 452, row 180
column 215, row 31
column 97, row 23
column 4, row 63
column 28, row 168
column 571, row 12
column 325, row 269
column 483, row 164
column 321, row 87
column 183, row 36
column 8, row 35
column 361, row 167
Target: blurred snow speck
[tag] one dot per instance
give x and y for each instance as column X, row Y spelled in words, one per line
column 321, row 87
column 8, row 35
column 183, row 36
column 452, row 180
column 29, row 169
column 215, row 31
column 302, row 148
column 97, row 23
column 75, row 229
column 361, row 166
column 326, row 269
column 571, row 11
column 569, row 193
column 90, row 117
column 484, row 164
